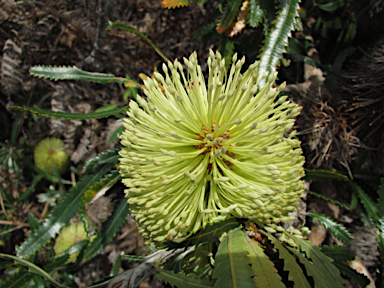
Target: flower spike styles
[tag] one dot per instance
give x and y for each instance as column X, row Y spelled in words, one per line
column 197, row 152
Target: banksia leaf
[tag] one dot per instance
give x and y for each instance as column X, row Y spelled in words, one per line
column 336, row 229
column 230, row 13
column 183, row 281
column 324, row 273
column 256, row 13
column 296, row 274
column 232, row 269
column 73, row 73
column 265, row 273
column 277, row 39
column 175, row 3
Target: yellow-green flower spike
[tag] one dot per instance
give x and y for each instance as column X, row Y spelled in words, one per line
column 48, row 153
column 197, row 151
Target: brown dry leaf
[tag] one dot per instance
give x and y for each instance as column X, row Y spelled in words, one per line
column 241, row 21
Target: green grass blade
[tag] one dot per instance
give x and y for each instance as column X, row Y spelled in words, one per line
column 183, row 281
column 265, row 273
column 109, row 229
column 31, row 268
column 60, row 215
column 129, row 28
column 296, row 274
column 74, row 73
column 68, row 115
column 277, row 39
column 336, row 229
column 232, row 269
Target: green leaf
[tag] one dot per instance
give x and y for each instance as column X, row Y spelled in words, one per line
column 116, row 267
column 331, row 6
column 70, row 116
column 110, row 156
column 18, row 280
column 340, row 253
column 232, row 269
column 328, row 199
column 134, row 258
column 265, row 273
column 230, row 13
column 206, row 234
column 109, row 229
column 296, row 274
column 60, row 215
column 367, row 202
column 324, row 273
column 183, row 281
column 31, row 268
column 33, row 222
column 256, row 14
column 336, row 229
column 313, row 175
column 129, row 28
column 352, row 274
column 277, row 39
column 74, row 73
column 101, row 187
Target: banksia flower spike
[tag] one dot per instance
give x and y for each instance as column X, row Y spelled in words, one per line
column 196, row 153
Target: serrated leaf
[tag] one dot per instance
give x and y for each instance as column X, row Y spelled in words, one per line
column 183, row 281
column 340, row 253
column 33, row 222
column 100, row 188
column 313, row 175
column 367, row 202
column 174, row 3
column 324, row 273
column 296, row 274
column 265, row 273
column 60, row 215
column 277, row 39
column 74, row 73
column 336, row 229
column 132, row 29
column 68, row 115
column 109, row 229
column 206, row 234
column 329, row 199
column 32, row 268
column 256, row 14
column 230, row 13
column 352, row 274
column 110, row 156
column 232, row 269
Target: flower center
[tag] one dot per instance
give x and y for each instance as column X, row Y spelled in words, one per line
column 215, row 146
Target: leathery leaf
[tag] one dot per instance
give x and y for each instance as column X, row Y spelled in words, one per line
column 183, row 281
column 232, row 269
column 266, row 275
column 296, row 274
column 323, row 272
